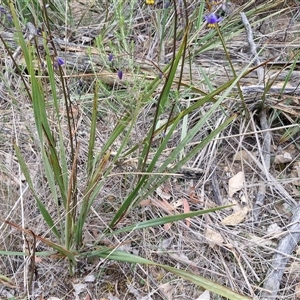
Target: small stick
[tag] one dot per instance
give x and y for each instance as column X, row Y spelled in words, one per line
column 260, row 70
column 286, row 246
column 274, row 90
column 265, row 156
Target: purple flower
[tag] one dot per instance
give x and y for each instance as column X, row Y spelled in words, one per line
column 60, row 61
column 167, row 4
column 110, row 57
column 2, row 10
column 120, row 74
column 5, row 12
column 39, row 31
column 9, row 17
column 212, row 19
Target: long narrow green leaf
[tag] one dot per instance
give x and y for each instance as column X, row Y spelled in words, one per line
column 162, row 101
column 210, row 285
column 50, row 177
column 154, row 183
column 40, row 204
column 64, row 252
column 165, row 220
column 39, row 109
column 90, row 194
column 206, row 99
column 124, row 121
column 57, row 157
column 130, row 200
column 207, row 284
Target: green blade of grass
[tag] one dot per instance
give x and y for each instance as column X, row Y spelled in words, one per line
column 153, row 183
column 165, row 220
column 160, row 107
column 210, row 285
column 64, row 252
column 40, row 204
column 206, row 283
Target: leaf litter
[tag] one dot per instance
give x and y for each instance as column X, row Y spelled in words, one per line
column 198, row 244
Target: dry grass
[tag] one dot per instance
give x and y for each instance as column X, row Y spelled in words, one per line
column 238, row 256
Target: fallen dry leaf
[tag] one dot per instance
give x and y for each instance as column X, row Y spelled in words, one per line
column 167, row 226
column 145, row 202
column 90, row 278
column 167, row 290
column 177, row 203
column 165, row 205
column 296, row 173
column 213, row 237
column 294, row 268
column 182, row 258
column 186, row 209
column 236, row 183
column 283, row 158
column 244, row 155
column 260, row 241
column 297, row 291
column 7, row 282
column 87, row 297
column 274, row 229
column 236, row 205
column 78, row 288
column 204, row 296
column 236, row 218
column 163, row 194
column 194, row 197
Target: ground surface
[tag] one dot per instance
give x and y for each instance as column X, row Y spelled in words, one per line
column 247, row 165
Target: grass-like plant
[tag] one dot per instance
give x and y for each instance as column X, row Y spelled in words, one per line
column 73, row 197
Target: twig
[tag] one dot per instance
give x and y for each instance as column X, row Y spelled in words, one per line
column 216, row 188
column 260, row 70
column 273, row 89
column 285, row 248
column 265, row 156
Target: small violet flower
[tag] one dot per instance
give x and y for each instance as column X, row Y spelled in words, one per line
column 39, row 31
column 120, row 74
column 212, row 19
column 9, row 18
column 5, row 13
column 110, row 57
column 60, row 61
